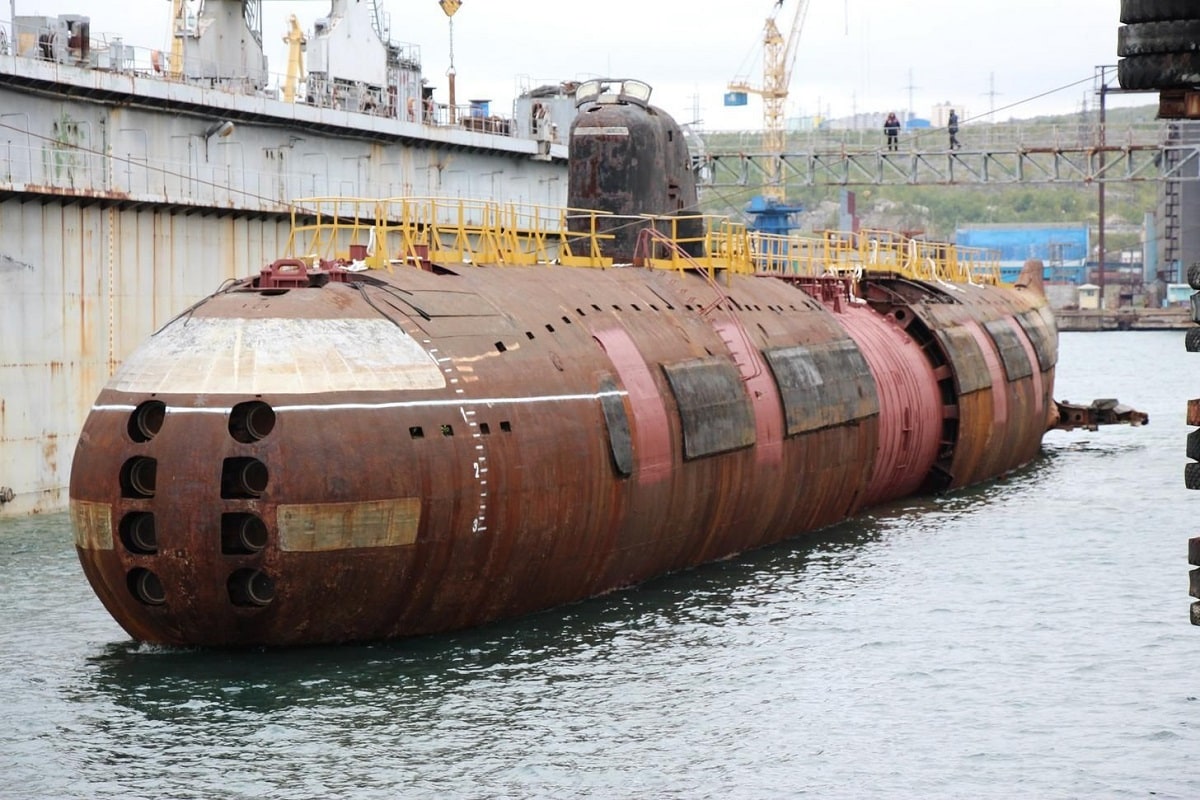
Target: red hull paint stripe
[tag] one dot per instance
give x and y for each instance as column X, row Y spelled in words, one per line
column 764, row 394
column 651, row 428
column 996, row 369
column 1038, row 392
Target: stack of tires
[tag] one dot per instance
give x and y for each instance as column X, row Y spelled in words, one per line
column 1159, row 45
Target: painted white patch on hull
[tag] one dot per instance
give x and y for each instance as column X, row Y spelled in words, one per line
column 204, row 355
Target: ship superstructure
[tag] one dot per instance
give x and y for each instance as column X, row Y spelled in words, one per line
column 133, row 181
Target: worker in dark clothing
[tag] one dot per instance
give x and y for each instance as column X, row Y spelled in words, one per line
column 952, row 127
column 891, row 130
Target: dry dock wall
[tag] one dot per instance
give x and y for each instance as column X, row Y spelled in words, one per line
column 124, row 200
column 82, row 287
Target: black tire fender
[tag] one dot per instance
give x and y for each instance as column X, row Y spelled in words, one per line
column 1158, row 10
column 1191, row 341
column 1191, row 475
column 1159, row 71
column 1193, row 445
column 1181, row 36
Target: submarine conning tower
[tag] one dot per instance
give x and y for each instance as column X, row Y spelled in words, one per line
column 628, row 159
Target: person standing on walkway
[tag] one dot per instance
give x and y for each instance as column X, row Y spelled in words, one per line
column 891, row 131
column 952, row 127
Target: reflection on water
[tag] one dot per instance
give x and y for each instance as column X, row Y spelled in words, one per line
column 1027, row 637
column 156, row 681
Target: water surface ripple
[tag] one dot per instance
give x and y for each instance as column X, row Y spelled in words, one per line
column 1026, row 638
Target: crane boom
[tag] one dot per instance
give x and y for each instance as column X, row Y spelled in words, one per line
column 295, row 41
column 779, row 56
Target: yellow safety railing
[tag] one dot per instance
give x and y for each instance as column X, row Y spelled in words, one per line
column 408, row 231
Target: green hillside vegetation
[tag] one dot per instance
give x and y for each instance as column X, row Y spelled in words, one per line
column 939, row 210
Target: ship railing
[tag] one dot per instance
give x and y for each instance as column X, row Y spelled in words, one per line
column 582, row 233
column 875, row 250
column 696, row 242
column 712, row 243
column 485, row 232
column 842, row 253
column 327, row 228
column 883, row 251
column 981, row 264
column 400, row 231
column 787, row 256
column 951, row 263
column 109, row 53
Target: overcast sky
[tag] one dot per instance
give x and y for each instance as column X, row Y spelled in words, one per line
column 1021, row 57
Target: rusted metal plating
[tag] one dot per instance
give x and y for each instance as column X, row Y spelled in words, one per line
column 1099, row 412
column 404, row 453
column 323, row 454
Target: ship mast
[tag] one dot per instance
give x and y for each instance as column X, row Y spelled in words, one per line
column 451, row 6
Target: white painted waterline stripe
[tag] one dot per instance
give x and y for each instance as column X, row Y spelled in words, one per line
column 457, row 401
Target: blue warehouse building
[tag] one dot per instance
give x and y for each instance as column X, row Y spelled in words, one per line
column 1062, row 247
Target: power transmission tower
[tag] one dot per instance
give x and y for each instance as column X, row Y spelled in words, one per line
column 991, row 95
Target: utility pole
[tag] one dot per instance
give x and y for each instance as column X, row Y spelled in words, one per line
column 1100, row 198
column 910, row 88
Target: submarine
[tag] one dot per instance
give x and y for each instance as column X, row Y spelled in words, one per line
column 433, row 415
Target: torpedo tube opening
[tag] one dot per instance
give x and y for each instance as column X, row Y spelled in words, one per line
column 147, row 420
column 251, row 421
column 138, row 533
column 138, row 477
column 251, row 587
column 243, row 478
column 242, row 534
column 145, row 586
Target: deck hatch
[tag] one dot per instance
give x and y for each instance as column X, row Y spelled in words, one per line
column 823, row 385
column 713, row 406
column 1044, row 340
column 620, row 441
column 966, row 359
column 1012, row 352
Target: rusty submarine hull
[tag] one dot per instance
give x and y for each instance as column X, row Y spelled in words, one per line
column 469, row 416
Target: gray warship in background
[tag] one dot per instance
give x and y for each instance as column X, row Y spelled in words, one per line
column 134, row 181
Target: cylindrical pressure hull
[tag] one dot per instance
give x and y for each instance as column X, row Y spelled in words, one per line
column 422, row 452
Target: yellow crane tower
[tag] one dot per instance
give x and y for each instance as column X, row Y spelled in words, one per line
column 179, row 29
column 295, row 40
column 779, row 54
